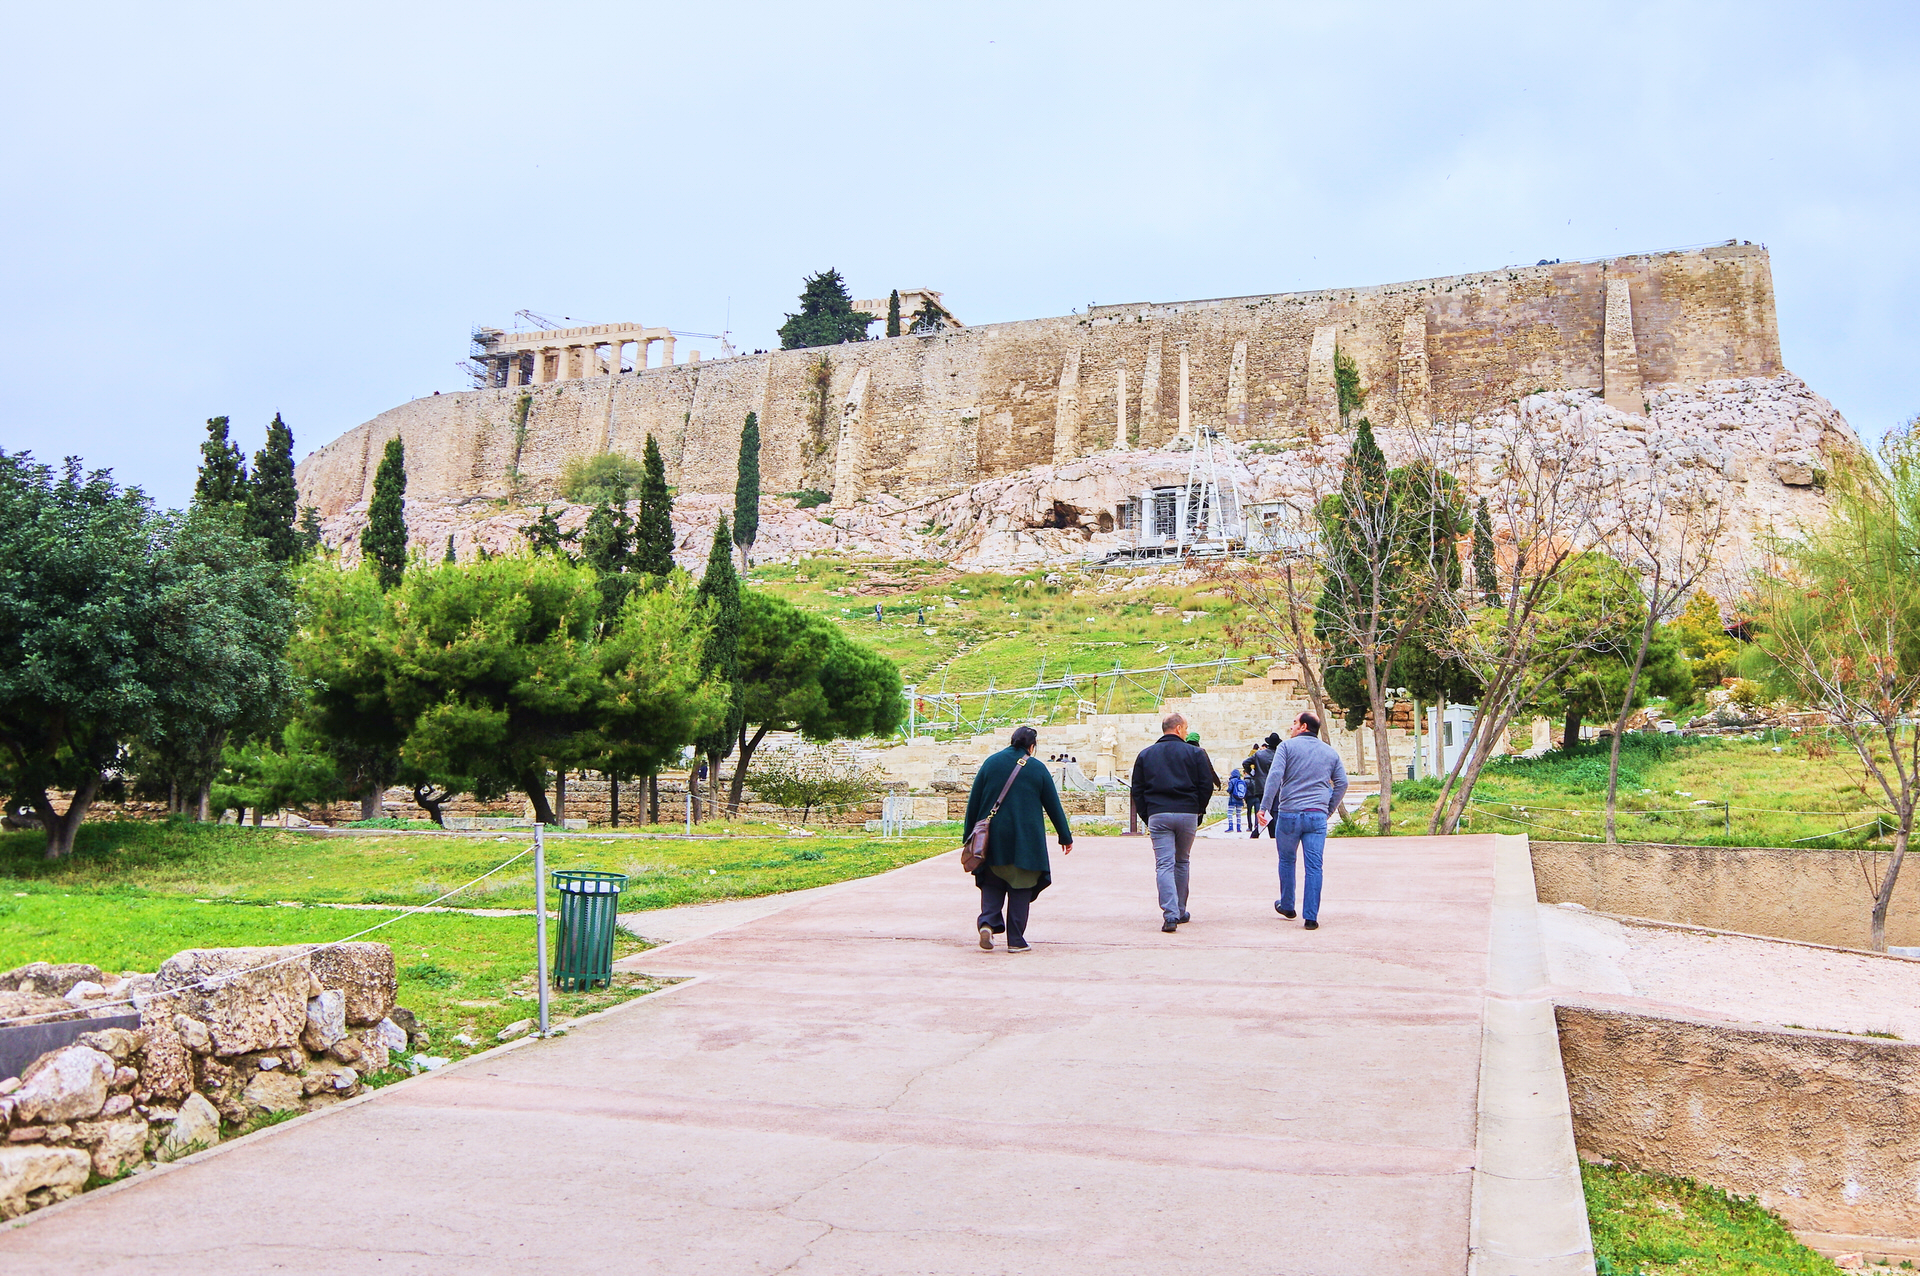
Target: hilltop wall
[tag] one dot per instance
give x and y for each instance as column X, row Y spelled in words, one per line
column 925, row 416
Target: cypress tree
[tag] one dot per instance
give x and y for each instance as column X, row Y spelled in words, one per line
column 746, row 490
column 272, row 499
column 1486, row 576
column 223, row 468
column 720, row 592
column 450, row 558
column 385, row 540
column 309, row 529
column 653, row 550
column 893, row 314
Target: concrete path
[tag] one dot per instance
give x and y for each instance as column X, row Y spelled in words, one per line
column 851, row 1086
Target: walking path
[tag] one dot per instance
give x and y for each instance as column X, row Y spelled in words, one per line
column 849, row 1085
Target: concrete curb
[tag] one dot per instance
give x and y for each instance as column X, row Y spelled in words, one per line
column 1529, row 1210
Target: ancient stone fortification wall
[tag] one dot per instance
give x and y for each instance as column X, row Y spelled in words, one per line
column 1823, row 1128
column 1818, row 897
column 925, row 416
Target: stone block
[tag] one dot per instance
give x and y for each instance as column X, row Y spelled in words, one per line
column 326, row 1020
column 249, row 998
column 197, row 1126
column 116, row 1144
column 166, row 1069
column 364, row 972
column 118, row 1044
column 1793, row 471
column 33, row 1176
column 272, row 1092
column 69, row 1084
column 51, row 979
column 32, row 1007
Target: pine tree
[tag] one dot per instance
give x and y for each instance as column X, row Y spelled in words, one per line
column 720, row 592
column 653, row 550
column 223, row 468
column 384, row 542
column 893, row 314
column 746, row 490
column 1486, row 576
column 272, row 499
column 826, row 317
column 309, row 529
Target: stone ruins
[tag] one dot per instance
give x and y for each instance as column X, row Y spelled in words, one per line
column 1031, row 441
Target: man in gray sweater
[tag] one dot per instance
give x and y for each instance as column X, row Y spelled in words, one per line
column 1304, row 787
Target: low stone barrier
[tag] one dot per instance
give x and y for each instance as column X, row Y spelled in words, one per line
column 1819, row 897
column 1823, row 1128
column 225, row 1034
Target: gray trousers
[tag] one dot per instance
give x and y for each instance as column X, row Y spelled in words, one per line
column 1172, row 836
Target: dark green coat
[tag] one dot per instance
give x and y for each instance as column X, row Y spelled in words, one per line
column 1018, row 835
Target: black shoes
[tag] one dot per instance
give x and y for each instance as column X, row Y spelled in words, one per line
column 1185, row 918
column 1313, row 926
column 1019, row 948
column 1287, row 913
column 1169, row 926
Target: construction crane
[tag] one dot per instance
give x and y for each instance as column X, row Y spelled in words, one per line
column 541, row 321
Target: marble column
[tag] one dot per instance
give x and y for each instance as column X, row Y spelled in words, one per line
column 513, row 369
column 666, row 358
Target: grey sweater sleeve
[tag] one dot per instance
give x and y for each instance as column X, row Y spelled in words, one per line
column 1339, row 782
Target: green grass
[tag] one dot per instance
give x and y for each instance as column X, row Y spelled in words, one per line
column 1671, row 788
column 1651, row 1225
column 1003, row 627
column 224, row 862
column 457, row 973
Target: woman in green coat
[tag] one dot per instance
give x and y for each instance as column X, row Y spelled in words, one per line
column 1016, row 868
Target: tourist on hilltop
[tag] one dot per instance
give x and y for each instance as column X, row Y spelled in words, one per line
column 1304, row 787
column 1017, row 800
column 1173, row 780
column 1236, row 799
column 1260, row 758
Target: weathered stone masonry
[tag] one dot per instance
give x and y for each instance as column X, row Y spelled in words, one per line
column 920, row 416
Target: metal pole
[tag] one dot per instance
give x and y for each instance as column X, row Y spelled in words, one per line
column 689, row 810
column 540, row 913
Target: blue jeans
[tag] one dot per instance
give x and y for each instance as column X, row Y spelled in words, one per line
column 1303, row 831
column 1233, row 820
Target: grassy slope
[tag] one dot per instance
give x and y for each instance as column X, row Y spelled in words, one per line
column 1003, row 627
column 1649, row 1225
column 1787, row 795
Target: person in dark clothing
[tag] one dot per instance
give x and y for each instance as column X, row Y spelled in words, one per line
column 1261, row 760
column 1016, row 868
column 1172, row 783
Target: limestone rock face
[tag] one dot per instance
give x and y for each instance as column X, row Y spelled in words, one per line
column 67, row 1085
column 326, row 1020
column 33, row 1175
column 51, row 979
column 365, row 973
column 249, row 998
column 198, row 1123
column 32, row 1007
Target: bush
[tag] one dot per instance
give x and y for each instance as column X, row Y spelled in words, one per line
column 808, row 497
column 802, row 783
column 588, row 480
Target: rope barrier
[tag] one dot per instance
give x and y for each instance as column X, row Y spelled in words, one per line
column 307, row 950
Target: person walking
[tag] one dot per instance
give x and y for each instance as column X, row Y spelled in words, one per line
column 1016, row 867
column 1236, row 799
column 1305, row 785
column 1172, row 783
column 1260, row 759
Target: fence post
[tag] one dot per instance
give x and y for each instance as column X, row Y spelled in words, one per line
column 540, row 913
column 689, row 811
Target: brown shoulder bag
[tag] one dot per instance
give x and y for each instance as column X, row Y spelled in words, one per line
column 973, row 853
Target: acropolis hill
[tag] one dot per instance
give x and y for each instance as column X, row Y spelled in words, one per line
column 1679, row 351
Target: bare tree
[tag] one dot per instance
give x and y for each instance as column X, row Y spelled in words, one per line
column 1667, row 532
column 1542, row 481
column 1839, row 613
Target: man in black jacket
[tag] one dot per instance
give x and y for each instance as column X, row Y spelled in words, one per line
column 1172, row 784
column 1262, row 759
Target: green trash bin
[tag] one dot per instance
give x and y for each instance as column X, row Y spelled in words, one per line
column 588, row 903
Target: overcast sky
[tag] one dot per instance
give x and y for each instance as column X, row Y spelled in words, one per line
column 242, row 209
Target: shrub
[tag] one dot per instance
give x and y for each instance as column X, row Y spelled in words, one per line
column 588, row 480
column 808, row 497
column 802, row 783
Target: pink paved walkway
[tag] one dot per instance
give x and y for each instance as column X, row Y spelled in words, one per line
column 853, row 1087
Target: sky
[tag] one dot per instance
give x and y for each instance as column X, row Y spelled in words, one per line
column 248, row 209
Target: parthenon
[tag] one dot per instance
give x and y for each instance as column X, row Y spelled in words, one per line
column 569, row 354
